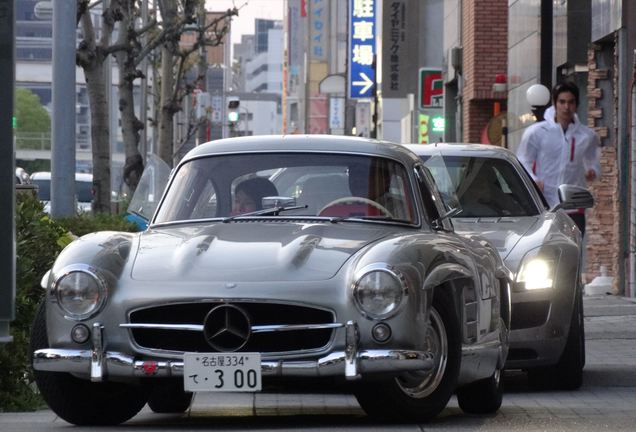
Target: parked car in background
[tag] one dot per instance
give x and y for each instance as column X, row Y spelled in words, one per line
column 83, row 189
column 541, row 246
column 21, row 176
column 235, row 286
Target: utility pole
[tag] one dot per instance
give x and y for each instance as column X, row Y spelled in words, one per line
column 202, row 130
column 63, row 122
column 7, row 171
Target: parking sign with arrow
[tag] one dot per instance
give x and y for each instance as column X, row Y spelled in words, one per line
column 362, row 48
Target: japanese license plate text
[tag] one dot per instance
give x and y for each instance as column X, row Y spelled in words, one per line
column 222, row 372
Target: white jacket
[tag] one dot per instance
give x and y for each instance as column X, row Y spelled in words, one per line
column 557, row 158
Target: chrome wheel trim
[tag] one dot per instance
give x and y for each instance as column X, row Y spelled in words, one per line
column 419, row 385
column 497, row 377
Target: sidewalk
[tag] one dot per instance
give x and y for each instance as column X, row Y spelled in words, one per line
column 610, row 334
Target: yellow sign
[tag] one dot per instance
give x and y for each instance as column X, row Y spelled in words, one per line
column 423, row 128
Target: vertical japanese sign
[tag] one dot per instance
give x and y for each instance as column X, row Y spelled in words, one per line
column 319, row 16
column 362, row 48
column 399, row 47
column 431, row 88
column 336, row 113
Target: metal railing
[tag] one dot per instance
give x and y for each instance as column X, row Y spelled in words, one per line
column 42, row 141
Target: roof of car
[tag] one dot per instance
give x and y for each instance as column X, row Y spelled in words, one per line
column 461, row 149
column 304, row 143
column 46, row 175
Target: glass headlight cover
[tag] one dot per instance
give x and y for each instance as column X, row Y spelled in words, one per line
column 537, row 271
column 378, row 291
column 80, row 292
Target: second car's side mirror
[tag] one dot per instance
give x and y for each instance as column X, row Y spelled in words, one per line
column 573, row 197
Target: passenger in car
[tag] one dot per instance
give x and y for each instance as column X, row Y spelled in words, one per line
column 249, row 193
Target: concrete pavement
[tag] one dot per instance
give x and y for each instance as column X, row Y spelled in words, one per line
column 605, row 402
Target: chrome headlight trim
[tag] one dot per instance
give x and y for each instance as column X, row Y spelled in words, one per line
column 94, row 296
column 391, row 297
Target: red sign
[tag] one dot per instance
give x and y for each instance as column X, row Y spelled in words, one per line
column 431, row 88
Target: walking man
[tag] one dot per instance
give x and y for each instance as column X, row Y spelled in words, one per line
column 561, row 150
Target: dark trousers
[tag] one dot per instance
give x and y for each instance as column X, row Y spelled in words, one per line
column 579, row 220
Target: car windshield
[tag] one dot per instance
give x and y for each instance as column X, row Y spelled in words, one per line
column 289, row 184
column 489, row 187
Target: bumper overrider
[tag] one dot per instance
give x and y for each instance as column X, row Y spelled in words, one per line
column 350, row 363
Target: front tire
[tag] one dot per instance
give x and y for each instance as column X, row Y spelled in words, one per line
column 569, row 370
column 79, row 401
column 486, row 395
column 419, row 396
column 567, row 374
column 169, row 398
column 483, row 396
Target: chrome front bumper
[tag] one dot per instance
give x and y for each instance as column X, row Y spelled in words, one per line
column 351, row 363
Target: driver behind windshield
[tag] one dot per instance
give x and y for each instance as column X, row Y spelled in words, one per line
column 249, row 193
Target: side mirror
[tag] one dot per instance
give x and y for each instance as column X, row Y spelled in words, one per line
column 573, row 197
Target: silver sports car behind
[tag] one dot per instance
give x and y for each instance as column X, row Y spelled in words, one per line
column 541, row 246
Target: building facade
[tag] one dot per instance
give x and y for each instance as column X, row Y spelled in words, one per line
column 475, row 59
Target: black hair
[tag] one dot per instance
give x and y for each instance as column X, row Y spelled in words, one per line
column 566, row 86
column 257, row 188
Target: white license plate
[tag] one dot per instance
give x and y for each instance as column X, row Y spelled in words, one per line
column 222, row 372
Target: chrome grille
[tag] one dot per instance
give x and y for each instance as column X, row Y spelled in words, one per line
column 276, row 327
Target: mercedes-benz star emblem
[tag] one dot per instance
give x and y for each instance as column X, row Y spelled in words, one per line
column 227, row 328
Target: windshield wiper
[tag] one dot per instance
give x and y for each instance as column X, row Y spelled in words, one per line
column 383, row 219
column 273, row 211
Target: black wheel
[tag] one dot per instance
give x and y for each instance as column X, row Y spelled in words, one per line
column 569, row 370
column 420, row 396
column 567, row 374
column 169, row 397
column 483, row 396
column 80, row 401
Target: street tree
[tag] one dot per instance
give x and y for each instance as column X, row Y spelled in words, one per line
column 135, row 42
column 91, row 54
column 33, row 120
column 178, row 58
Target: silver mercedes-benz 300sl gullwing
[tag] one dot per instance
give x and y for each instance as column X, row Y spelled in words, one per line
column 541, row 246
column 276, row 259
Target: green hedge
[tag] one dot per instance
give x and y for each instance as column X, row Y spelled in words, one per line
column 39, row 239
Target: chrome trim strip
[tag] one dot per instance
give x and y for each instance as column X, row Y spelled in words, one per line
column 255, row 329
column 190, row 327
column 292, row 327
column 334, row 364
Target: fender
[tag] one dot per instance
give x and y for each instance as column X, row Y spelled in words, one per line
column 444, row 273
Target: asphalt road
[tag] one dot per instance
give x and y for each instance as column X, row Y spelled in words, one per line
column 607, row 400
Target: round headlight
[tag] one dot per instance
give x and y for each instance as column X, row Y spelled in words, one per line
column 80, row 292
column 379, row 292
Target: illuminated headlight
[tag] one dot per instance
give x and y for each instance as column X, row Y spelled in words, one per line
column 80, row 292
column 379, row 291
column 536, row 272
